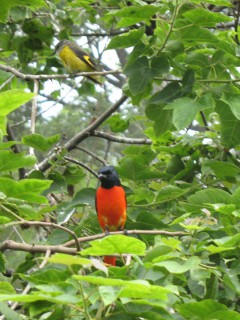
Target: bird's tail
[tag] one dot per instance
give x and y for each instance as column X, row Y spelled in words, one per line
column 96, row 79
column 110, row 260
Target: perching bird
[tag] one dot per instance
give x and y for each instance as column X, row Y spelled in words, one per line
column 110, row 203
column 75, row 59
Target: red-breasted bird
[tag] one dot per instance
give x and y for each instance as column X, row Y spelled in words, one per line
column 111, row 204
column 75, row 59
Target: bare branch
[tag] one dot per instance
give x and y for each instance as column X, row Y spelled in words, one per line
column 81, row 164
column 34, row 248
column 79, row 137
column 34, row 114
column 110, row 137
column 92, row 155
column 44, row 224
column 33, row 77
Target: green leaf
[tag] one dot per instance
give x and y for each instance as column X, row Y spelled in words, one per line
column 73, row 174
column 6, row 5
column 27, row 189
column 223, row 170
column 11, row 161
column 8, row 312
column 133, row 14
column 51, row 276
column 196, row 34
column 65, row 259
column 39, row 142
column 233, row 102
column 177, row 268
column 206, row 18
column 169, row 93
column 230, row 125
column 13, row 99
column 61, row 298
column 117, row 124
column 126, row 40
column 108, row 294
column 184, row 111
column 140, row 74
column 115, row 244
column 210, row 196
column 6, row 288
column 132, row 168
column 207, row 309
column 130, row 289
column 84, row 197
column 169, row 193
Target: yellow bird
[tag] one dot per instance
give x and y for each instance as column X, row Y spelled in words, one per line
column 75, row 59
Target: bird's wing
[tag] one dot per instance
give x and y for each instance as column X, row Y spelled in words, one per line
column 84, row 56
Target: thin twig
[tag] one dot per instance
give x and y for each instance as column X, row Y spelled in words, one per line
column 34, row 114
column 92, row 154
column 81, row 164
column 6, row 82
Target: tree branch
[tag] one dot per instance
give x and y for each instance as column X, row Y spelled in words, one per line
column 43, row 224
column 34, row 248
column 92, row 155
column 81, row 164
column 33, row 77
column 79, row 137
column 110, row 137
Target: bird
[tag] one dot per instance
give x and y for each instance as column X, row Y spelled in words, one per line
column 111, row 204
column 75, row 59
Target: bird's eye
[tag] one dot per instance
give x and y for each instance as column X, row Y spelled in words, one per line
column 108, row 172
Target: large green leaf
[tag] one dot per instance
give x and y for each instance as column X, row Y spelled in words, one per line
column 196, row 34
column 140, row 74
column 11, row 161
column 206, row 18
column 8, row 312
column 115, row 244
column 133, row 289
column 233, row 102
column 132, row 168
column 134, row 14
column 11, row 100
column 207, row 309
column 230, row 125
column 223, row 170
column 126, row 40
column 39, row 142
column 27, row 189
column 210, row 196
column 6, row 5
column 184, row 111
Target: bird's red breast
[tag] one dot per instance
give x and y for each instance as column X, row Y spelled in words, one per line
column 111, row 208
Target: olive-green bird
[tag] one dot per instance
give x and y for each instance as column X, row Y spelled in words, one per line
column 75, row 59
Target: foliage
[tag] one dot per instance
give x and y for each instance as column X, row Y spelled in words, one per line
column 179, row 114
